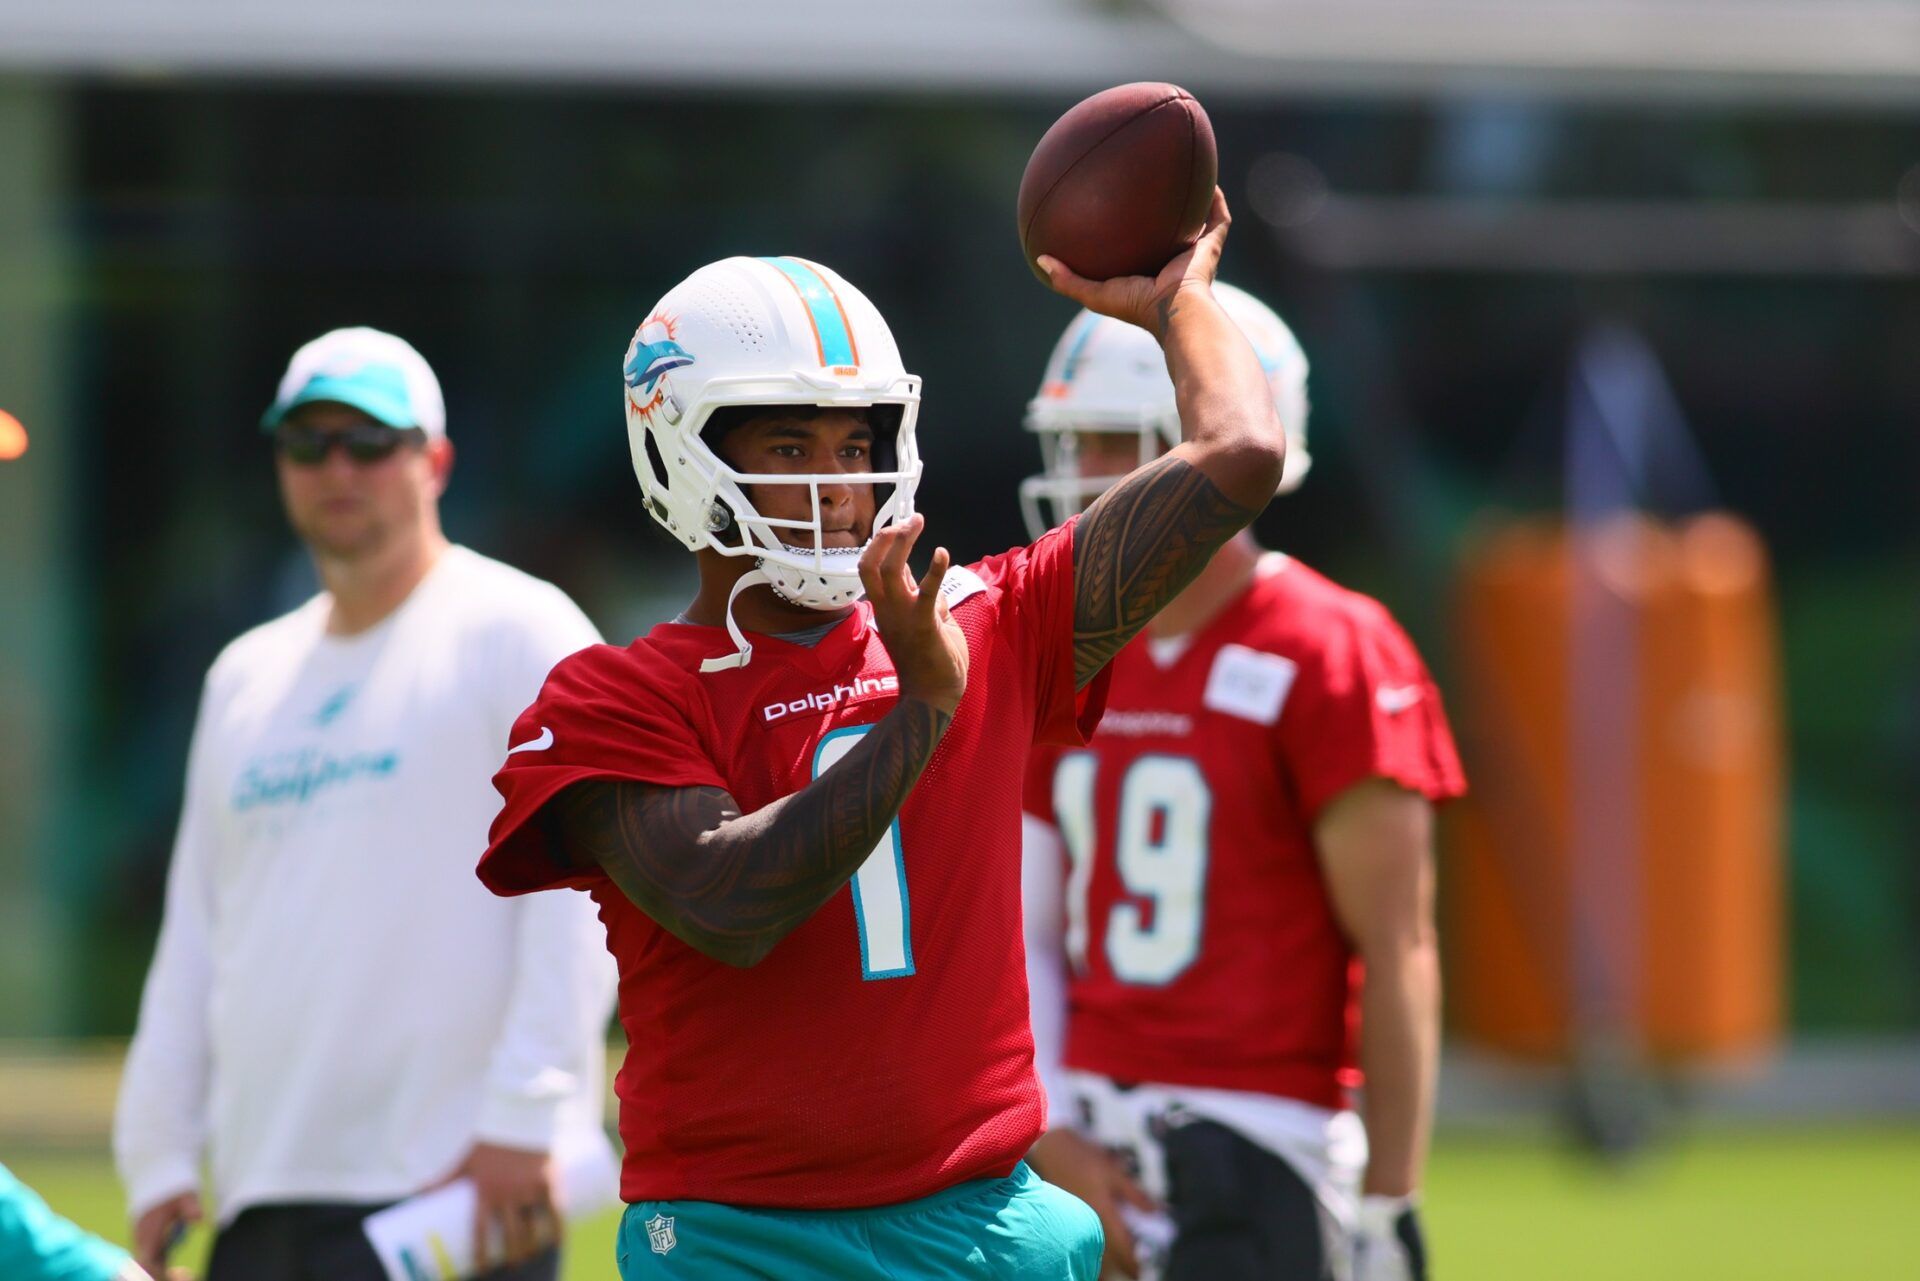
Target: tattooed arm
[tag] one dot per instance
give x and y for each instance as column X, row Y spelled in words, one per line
column 1152, row 533
column 731, row 885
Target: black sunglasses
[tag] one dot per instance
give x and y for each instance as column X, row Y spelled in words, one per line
column 364, row 442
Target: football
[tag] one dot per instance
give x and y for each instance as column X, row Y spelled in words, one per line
column 1121, row 183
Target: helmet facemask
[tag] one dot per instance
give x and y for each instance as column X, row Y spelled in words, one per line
column 793, row 553
column 1061, row 490
column 1105, row 375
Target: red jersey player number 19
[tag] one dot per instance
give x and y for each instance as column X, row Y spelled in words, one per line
column 1202, row 946
column 1246, row 827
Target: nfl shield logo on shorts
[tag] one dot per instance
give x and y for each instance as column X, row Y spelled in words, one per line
column 660, row 1233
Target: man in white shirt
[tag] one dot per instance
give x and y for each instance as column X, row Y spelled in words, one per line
column 338, row 1014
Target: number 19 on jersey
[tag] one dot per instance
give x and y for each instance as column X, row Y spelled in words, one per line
column 1160, row 852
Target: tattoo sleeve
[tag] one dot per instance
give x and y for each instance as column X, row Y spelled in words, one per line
column 732, row 885
column 1142, row 542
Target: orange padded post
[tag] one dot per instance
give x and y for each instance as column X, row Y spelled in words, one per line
column 1688, row 948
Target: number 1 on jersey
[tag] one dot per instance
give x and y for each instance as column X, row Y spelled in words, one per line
column 879, row 887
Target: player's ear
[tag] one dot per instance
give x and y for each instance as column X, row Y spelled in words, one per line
column 440, row 462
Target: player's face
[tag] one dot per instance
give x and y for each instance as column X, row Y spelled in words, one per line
column 348, row 504
column 1105, row 455
column 834, row 442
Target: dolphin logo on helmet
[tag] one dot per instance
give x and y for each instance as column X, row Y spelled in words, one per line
column 654, row 352
column 647, row 363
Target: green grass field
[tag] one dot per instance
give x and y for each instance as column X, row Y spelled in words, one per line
column 1781, row 1206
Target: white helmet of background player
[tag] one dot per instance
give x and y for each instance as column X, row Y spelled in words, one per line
column 765, row 331
column 1106, row 375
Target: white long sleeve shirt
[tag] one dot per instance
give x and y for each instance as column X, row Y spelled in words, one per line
column 1043, row 874
column 337, row 1009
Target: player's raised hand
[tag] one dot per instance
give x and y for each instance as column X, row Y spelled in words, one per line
column 1147, row 301
column 928, row 650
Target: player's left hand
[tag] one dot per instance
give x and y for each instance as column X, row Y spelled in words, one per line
column 515, row 1209
column 928, row 649
column 1387, row 1243
column 1145, row 300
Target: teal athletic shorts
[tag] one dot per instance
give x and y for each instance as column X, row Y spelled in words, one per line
column 1007, row 1229
column 38, row 1245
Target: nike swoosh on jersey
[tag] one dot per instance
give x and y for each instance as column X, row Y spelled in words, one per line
column 539, row 744
column 1395, row 699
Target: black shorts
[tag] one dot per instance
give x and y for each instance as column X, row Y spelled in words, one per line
column 321, row 1241
column 1241, row 1213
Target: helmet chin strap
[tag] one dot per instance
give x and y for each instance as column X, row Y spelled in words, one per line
column 759, row 576
column 755, row 577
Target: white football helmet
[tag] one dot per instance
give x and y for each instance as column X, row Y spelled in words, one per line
column 1106, row 375
column 765, row 331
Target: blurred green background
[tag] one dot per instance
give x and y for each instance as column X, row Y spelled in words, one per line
column 1756, row 1207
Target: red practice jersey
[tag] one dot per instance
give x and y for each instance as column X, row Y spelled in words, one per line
column 881, row 1051
column 1202, row 947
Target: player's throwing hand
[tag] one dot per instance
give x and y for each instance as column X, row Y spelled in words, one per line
column 929, row 651
column 1147, row 301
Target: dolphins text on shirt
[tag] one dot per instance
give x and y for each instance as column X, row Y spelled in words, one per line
column 297, row 777
column 822, row 700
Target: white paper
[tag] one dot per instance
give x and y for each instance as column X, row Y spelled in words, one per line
column 430, row 1237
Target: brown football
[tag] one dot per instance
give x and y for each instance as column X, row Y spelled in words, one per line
column 1121, row 183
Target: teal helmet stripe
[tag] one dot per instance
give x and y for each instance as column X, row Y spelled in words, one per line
column 1071, row 365
column 829, row 321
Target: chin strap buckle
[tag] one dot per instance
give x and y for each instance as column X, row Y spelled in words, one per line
column 743, row 649
column 725, row 661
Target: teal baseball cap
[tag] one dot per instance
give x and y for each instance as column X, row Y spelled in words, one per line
column 377, row 373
